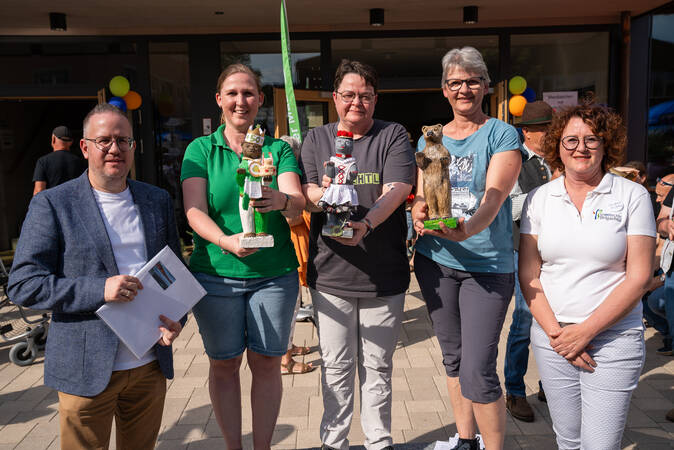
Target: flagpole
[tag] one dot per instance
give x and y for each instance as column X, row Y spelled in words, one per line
column 293, row 119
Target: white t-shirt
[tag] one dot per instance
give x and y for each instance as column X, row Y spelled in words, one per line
column 126, row 235
column 584, row 253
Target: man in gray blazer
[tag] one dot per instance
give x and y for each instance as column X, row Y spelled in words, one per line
column 78, row 245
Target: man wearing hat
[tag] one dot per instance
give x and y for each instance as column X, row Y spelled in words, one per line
column 60, row 165
column 534, row 122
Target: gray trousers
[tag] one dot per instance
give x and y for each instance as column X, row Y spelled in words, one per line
column 589, row 409
column 357, row 334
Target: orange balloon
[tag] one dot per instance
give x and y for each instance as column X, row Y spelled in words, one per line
column 133, row 100
column 516, row 105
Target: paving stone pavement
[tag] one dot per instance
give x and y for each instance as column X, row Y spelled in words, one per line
column 421, row 411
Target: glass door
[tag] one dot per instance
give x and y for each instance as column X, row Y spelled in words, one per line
column 314, row 108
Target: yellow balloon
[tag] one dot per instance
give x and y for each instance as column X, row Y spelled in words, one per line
column 516, row 105
column 133, row 100
column 517, row 85
column 119, row 86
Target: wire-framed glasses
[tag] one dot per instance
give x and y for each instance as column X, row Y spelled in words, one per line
column 591, row 142
column 348, row 97
column 473, row 83
column 104, row 143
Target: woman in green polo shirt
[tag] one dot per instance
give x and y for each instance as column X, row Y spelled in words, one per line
column 251, row 292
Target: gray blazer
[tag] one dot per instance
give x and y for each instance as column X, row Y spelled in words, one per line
column 61, row 263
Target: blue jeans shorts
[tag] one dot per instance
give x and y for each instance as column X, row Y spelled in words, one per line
column 240, row 313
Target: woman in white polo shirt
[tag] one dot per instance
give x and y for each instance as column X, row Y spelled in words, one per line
column 586, row 251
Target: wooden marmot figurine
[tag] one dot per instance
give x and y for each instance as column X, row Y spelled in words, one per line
column 434, row 162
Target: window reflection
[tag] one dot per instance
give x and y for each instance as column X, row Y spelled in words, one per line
column 411, row 62
column 563, row 62
column 265, row 58
column 661, row 97
column 170, row 84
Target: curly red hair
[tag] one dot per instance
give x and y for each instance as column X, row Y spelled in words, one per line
column 603, row 121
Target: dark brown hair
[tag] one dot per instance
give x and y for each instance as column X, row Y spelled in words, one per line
column 238, row 68
column 603, row 121
column 366, row 71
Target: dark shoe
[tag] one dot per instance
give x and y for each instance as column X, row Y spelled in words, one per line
column 519, row 408
column 541, row 393
column 467, row 444
column 666, row 349
column 327, row 447
column 670, row 415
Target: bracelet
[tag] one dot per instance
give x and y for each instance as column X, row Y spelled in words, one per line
column 369, row 226
column 285, row 206
column 224, row 252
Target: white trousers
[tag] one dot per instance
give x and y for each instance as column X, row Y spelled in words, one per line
column 357, row 334
column 589, row 409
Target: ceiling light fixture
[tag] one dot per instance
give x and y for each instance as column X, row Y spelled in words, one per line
column 469, row 14
column 57, row 21
column 377, row 17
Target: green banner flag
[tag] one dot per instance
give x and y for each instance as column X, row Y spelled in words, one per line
column 293, row 120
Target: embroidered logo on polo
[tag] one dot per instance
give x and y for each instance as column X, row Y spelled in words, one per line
column 599, row 214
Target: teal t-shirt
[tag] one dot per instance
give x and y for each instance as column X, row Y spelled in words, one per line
column 209, row 157
column 491, row 250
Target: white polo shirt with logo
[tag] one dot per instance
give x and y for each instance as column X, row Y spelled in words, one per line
column 584, row 253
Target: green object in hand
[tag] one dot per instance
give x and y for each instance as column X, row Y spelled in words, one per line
column 434, row 224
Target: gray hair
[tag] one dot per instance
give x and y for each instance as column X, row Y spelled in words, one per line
column 100, row 109
column 294, row 143
column 466, row 58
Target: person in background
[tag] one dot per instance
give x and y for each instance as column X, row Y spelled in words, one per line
column 664, row 303
column 640, row 176
column 251, row 293
column 466, row 273
column 358, row 284
column 79, row 246
column 60, row 165
column 299, row 233
column 587, row 241
column 535, row 172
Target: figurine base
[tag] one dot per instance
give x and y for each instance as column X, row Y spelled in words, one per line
column 265, row 241
column 434, row 224
column 345, row 232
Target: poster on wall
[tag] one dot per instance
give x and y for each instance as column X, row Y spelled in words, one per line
column 561, row 99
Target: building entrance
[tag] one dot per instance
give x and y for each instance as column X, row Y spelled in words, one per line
column 25, row 135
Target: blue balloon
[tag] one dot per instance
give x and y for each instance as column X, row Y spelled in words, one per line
column 118, row 102
column 529, row 94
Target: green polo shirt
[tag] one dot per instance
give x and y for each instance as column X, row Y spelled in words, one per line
column 209, row 157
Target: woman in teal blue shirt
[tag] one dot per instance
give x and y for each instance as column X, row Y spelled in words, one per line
column 466, row 273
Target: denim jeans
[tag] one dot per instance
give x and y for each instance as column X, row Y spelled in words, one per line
column 669, row 301
column 517, row 347
column 654, row 310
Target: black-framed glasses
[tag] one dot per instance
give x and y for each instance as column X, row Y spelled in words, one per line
column 104, row 143
column 664, row 183
column 348, row 97
column 473, row 83
column 591, row 142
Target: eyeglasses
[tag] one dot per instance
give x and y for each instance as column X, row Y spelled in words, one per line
column 104, row 143
column 348, row 97
column 664, row 183
column 591, row 142
column 454, row 84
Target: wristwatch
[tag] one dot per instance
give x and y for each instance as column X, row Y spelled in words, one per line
column 662, row 277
